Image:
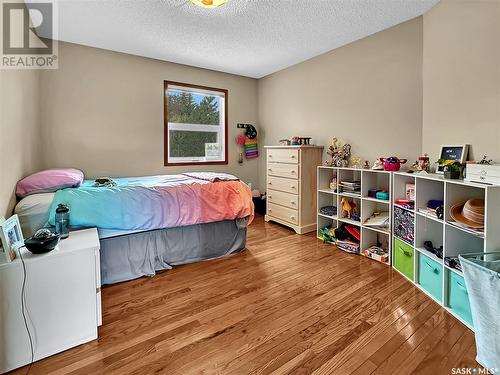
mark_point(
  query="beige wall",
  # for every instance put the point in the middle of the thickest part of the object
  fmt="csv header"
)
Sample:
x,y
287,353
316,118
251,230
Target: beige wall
x,y
368,93
461,70
102,112
19,132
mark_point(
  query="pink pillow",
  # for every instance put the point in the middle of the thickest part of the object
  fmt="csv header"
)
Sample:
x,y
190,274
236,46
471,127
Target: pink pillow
x,y
49,181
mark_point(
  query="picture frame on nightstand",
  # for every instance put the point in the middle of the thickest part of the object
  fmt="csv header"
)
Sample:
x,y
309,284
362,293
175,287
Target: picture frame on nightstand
x,y
11,237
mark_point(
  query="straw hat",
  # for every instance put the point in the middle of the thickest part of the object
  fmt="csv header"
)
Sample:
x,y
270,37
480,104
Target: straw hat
x,y
470,213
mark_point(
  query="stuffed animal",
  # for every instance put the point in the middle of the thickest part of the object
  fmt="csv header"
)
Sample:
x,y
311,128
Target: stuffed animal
x,y
339,154
347,207
104,182
378,165
356,162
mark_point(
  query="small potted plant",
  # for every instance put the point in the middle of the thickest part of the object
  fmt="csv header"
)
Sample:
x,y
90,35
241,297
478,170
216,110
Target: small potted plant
x,y
452,168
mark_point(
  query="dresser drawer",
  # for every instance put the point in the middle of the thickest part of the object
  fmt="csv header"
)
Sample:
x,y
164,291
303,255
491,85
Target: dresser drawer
x,y
283,170
283,213
283,199
283,155
283,184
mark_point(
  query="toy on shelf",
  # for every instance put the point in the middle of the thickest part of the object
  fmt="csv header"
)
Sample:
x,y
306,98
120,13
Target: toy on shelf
x,y
367,165
334,184
422,165
392,163
378,165
410,192
295,141
486,161
339,154
377,253
327,234
349,209
356,162
382,195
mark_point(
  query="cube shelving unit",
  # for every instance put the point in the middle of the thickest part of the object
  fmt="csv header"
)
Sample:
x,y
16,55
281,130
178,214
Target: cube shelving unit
x,y
370,179
442,283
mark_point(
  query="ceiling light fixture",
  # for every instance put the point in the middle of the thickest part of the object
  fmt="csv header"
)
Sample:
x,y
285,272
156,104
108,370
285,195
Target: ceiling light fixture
x,y
209,3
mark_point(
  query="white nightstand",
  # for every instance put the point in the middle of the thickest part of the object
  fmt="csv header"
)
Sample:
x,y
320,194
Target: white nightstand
x,y
63,300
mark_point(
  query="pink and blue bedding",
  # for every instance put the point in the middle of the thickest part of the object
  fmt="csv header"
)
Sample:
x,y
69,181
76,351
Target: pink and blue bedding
x,y
156,202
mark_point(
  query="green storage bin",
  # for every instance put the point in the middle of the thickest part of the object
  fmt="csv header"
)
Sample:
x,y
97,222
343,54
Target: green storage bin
x,y
458,298
403,258
430,276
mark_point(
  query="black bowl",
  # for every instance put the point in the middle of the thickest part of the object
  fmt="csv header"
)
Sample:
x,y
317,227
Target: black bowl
x,y
43,244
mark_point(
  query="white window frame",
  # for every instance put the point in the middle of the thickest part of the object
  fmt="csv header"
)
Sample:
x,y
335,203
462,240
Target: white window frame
x,y
219,129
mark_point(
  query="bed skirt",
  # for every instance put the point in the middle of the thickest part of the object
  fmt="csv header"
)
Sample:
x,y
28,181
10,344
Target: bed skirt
x,y
142,254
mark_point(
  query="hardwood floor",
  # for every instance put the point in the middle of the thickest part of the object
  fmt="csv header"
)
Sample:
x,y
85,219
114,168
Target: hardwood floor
x,y
289,304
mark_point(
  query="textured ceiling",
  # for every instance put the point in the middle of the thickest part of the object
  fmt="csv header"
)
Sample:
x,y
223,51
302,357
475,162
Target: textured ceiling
x,y
247,37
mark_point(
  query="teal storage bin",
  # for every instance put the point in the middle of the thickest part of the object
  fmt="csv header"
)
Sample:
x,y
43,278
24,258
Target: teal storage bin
x,y
430,276
458,298
403,258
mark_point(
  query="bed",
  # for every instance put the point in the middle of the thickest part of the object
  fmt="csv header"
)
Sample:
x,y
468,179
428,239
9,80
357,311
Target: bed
x,y
148,224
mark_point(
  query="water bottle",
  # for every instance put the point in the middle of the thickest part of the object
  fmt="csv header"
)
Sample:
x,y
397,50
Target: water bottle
x,y
62,220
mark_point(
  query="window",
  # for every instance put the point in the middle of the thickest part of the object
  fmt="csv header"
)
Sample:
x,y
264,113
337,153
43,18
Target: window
x,y
195,124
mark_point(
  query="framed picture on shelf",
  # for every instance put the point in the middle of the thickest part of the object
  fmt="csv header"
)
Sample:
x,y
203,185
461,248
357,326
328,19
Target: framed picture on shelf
x,y
11,237
453,152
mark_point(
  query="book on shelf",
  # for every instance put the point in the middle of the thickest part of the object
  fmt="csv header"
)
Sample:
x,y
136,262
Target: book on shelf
x,y
351,187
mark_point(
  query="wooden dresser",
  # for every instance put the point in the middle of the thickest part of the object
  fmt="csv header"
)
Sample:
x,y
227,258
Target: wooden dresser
x,y
291,186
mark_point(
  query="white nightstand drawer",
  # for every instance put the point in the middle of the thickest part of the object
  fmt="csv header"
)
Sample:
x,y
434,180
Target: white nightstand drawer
x,y
283,170
283,155
283,199
283,213
283,184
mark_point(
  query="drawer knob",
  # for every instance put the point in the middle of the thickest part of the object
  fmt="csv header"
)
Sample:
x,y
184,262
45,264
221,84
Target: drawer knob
x,y
292,156
292,187
292,172
292,217
292,202
269,183
270,210
270,197
269,169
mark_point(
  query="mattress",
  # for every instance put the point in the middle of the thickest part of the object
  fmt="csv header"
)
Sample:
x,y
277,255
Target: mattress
x,y
33,212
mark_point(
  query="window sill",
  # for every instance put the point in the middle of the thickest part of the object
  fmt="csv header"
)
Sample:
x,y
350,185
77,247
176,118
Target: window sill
x,y
177,164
